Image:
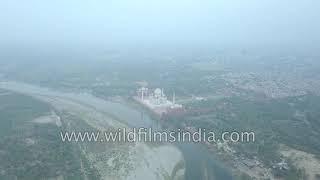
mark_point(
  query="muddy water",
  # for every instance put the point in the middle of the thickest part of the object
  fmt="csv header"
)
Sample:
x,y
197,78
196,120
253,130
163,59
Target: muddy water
x,y
200,163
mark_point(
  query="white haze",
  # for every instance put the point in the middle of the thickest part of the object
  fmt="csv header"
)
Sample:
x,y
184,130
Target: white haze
x,y
159,22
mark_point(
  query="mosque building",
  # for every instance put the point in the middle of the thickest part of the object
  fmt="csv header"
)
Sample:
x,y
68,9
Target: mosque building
x,y
156,100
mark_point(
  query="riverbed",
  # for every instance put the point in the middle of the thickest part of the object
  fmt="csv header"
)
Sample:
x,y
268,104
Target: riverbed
x,y
200,163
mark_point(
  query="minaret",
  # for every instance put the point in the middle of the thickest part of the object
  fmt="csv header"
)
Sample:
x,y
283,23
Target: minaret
x,y
142,95
174,98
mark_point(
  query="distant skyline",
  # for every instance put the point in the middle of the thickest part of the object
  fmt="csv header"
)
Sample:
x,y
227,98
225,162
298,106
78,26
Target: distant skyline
x,y
164,22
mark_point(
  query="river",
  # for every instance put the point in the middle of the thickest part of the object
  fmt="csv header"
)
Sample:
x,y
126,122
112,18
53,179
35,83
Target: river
x,y
199,161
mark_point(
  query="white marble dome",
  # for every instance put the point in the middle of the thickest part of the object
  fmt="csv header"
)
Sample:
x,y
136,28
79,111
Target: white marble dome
x,y
157,92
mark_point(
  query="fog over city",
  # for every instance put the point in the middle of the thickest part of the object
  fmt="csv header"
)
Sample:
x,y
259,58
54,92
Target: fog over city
x,y
159,90
160,22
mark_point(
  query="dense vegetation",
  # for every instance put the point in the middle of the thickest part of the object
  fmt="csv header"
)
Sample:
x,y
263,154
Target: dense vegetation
x,y
293,121
32,151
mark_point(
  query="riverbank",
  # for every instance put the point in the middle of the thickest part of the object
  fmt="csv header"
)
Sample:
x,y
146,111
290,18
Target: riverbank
x,y
112,161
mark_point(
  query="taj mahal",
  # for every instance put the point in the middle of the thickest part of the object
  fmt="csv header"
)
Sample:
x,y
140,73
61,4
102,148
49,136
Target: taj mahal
x,y
156,100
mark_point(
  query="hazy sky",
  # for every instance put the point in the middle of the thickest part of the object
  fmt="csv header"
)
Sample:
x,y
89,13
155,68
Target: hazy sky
x,y
159,21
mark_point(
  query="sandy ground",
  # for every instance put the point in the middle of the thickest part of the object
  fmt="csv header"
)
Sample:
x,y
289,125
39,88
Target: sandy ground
x,y
123,162
49,119
93,117
155,163
303,160
118,161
